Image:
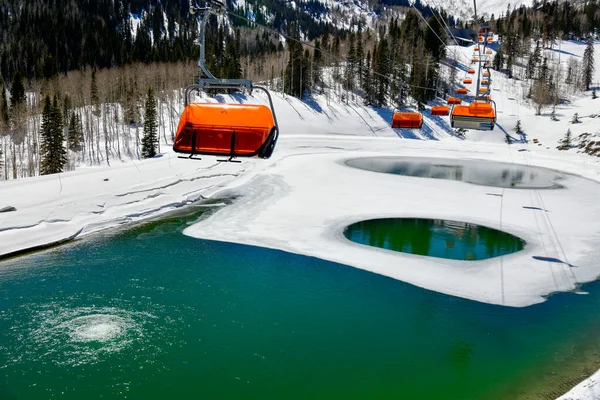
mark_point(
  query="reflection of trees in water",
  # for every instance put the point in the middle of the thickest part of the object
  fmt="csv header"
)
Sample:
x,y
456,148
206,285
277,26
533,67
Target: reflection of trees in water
x,y
417,236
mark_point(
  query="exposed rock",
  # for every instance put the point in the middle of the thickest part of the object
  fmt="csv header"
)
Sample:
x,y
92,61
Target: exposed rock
x,y
7,209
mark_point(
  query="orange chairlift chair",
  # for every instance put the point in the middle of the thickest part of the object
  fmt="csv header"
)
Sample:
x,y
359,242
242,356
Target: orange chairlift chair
x,y
479,115
454,100
440,110
485,82
462,91
232,130
488,51
474,59
407,120
467,81
470,71
486,74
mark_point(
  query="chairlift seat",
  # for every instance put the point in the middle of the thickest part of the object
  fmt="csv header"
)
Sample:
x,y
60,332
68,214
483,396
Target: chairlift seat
x,y
225,129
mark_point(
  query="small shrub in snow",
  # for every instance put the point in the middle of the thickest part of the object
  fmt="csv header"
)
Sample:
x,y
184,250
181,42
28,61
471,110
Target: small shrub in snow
x,y
565,144
575,119
594,94
518,128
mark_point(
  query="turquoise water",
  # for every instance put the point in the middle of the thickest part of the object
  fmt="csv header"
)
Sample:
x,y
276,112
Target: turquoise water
x,y
153,314
477,172
434,237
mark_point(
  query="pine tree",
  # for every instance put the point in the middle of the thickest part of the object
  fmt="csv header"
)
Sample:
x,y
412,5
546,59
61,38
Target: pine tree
x,y
52,152
553,114
588,64
317,63
75,133
360,56
150,138
518,128
350,65
565,144
94,94
575,119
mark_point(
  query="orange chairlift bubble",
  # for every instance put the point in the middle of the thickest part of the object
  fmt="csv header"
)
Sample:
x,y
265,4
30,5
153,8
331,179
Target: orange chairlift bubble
x,y
407,120
483,90
485,82
490,40
467,81
476,49
470,71
479,115
454,100
440,110
486,74
475,59
462,91
480,38
233,130
488,51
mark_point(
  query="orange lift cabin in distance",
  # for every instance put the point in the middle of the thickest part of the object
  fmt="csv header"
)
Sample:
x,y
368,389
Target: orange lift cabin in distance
x,y
440,110
407,120
454,100
233,130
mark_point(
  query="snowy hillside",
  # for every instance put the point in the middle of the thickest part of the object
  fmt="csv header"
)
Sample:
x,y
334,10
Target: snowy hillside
x,y
463,9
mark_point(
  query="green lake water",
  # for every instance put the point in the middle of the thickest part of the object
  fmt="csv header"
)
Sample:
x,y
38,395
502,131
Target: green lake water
x,y
434,237
152,314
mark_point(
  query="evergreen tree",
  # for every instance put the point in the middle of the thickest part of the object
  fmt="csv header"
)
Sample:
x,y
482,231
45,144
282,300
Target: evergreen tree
x,y
498,61
565,144
432,39
52,152
383,69
75,133
17,91
518,128
317,63
94,94
360,58
534,60
295,69
588,64
351,65
150,138
575,119
4,121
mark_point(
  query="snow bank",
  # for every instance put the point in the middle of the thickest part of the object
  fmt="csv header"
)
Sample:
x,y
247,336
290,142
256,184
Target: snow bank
x,y
302,203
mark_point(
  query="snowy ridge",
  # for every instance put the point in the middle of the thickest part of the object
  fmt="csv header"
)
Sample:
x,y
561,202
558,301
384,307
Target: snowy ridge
x,y
463,9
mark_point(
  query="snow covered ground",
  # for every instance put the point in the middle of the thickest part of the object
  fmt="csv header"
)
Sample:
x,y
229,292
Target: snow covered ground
x,y
301,199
